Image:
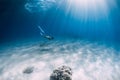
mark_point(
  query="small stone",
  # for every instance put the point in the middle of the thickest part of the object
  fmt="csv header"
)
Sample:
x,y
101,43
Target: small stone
x,y
28,70
62,73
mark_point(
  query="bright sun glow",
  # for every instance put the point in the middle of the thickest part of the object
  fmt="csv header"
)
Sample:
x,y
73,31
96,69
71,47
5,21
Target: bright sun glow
x,y
90,8
83,9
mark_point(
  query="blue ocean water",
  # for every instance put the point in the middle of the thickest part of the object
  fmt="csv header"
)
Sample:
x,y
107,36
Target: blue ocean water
x,y
86,38
61,18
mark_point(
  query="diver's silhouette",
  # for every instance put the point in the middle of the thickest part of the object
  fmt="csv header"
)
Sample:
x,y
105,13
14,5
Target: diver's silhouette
x,y
43,34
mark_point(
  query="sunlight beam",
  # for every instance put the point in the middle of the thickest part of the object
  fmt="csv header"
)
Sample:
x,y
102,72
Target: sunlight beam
x,y
87,9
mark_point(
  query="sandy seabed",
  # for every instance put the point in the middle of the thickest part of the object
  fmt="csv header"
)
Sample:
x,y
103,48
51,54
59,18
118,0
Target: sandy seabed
x,y
89,61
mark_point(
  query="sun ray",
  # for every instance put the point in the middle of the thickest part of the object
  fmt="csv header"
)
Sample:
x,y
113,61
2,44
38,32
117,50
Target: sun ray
x,y
89,9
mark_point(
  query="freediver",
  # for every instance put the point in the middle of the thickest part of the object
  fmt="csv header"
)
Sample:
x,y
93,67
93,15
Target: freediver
x,y
43,34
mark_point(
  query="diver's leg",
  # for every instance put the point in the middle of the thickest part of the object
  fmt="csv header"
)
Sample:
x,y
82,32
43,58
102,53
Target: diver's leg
x,y
41,30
